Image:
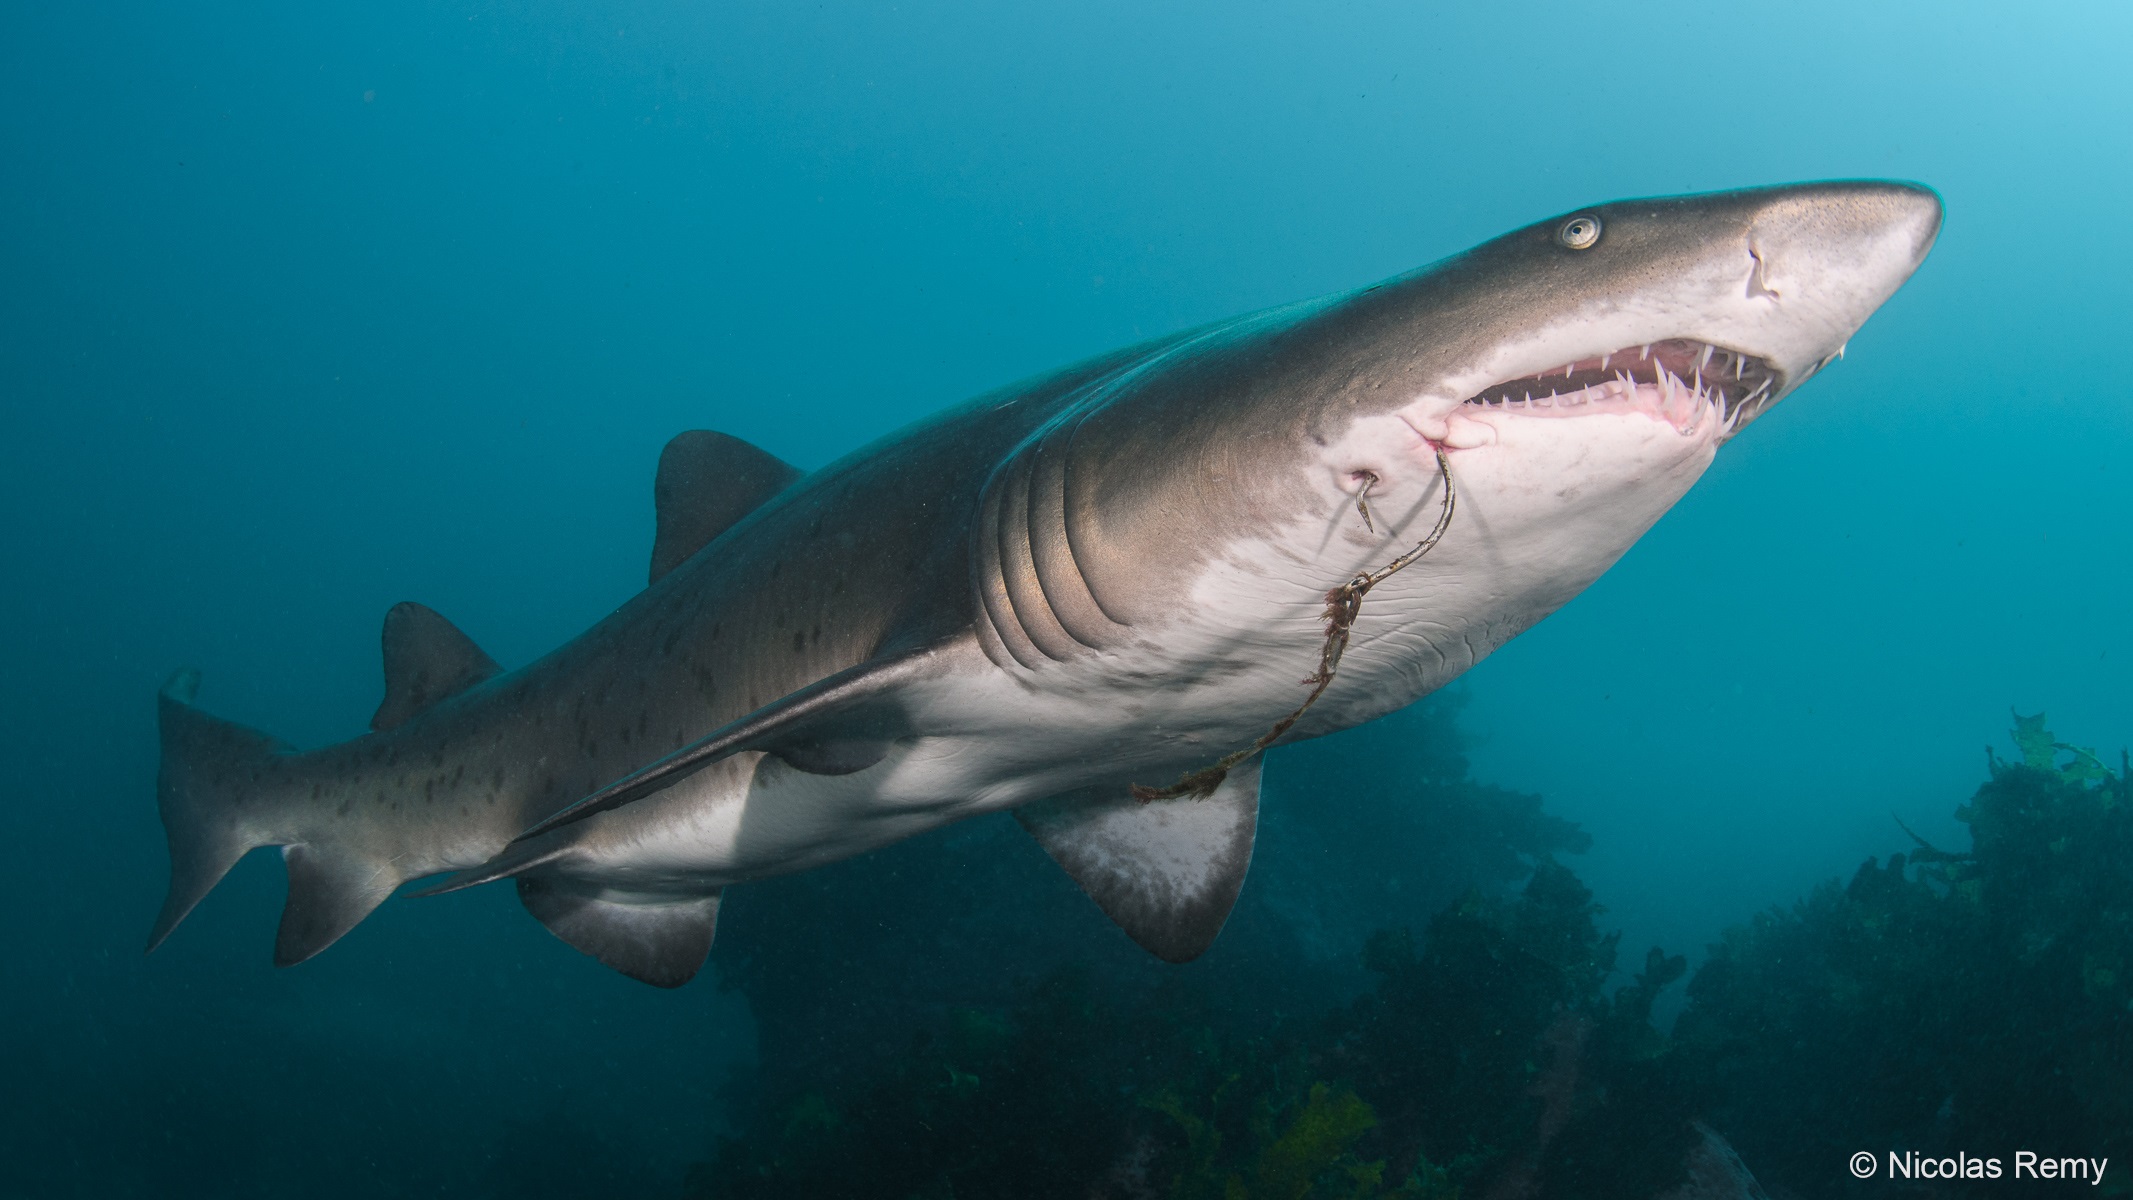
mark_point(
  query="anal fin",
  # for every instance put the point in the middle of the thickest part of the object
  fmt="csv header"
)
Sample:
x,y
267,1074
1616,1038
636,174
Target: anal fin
x,y
1167,871
663,942
329,893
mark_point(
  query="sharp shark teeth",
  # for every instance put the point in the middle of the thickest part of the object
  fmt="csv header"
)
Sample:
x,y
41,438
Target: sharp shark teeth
x,y
1672,379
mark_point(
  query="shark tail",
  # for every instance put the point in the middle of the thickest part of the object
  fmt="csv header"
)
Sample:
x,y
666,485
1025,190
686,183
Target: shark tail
x,y
225,790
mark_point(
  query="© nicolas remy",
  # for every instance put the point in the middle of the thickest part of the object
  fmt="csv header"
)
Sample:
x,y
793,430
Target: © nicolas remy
x,y
1093,598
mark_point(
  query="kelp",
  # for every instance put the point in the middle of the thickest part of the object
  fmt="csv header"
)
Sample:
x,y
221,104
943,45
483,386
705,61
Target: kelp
x,y
843,965
1973,1000
1941,1002
1453,1071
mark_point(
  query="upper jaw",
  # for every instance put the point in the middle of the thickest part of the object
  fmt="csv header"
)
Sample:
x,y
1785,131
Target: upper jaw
x,y
1679,380
1698,385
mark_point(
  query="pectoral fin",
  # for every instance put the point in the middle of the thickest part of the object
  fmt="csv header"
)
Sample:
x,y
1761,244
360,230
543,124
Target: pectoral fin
x,y
1167,871
836,723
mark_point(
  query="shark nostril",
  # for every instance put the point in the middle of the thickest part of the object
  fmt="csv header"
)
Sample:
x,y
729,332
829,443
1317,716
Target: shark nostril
x,y
1758,277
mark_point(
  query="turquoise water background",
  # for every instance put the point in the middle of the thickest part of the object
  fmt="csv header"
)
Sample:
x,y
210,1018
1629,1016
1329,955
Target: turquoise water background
x,y
306,310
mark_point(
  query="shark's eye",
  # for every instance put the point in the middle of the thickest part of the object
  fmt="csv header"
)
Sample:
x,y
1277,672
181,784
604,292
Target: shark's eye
x,y
1579,233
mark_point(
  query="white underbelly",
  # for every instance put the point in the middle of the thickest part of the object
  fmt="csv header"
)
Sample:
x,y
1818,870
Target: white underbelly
x,y
993,743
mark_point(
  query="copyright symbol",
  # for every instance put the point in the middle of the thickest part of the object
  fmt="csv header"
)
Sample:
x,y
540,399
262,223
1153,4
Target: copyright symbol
x,y
1863,1165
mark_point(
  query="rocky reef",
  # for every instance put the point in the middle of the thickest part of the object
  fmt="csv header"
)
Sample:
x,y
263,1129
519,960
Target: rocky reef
x,y
1947,1003
960,1037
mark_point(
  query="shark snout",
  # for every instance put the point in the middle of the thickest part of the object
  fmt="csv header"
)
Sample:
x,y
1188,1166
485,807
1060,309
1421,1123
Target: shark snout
x,y
1874,232
1822,257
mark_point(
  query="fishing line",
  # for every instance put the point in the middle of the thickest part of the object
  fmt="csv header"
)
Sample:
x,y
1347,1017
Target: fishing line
x,y
1343,605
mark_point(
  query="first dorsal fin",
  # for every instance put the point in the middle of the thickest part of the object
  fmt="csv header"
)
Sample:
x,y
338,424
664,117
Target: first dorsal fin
x,y
426,660
706,482
1167,871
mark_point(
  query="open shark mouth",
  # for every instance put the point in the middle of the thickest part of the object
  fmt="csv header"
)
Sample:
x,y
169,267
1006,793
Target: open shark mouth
x,y
1679,381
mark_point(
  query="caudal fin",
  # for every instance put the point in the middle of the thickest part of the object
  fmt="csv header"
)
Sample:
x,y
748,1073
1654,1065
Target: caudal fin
x,y
225,789
206,790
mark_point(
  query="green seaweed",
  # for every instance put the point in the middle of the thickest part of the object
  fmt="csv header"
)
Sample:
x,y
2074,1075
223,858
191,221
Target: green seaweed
x,y
1307,1150
1948,1002
2040,751
1976,1000
1436,1083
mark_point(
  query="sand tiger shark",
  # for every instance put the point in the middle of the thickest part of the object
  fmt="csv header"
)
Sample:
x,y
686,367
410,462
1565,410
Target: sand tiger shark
x,y
1095,598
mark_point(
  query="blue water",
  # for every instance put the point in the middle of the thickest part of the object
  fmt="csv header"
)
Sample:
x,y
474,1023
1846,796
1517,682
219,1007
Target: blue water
x,y
309,309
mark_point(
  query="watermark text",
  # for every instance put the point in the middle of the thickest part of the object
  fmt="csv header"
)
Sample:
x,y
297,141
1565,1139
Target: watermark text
x,y
2023,1164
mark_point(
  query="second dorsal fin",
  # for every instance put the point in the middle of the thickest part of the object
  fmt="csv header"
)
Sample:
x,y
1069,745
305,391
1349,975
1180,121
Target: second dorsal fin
x,y
426,660
706,482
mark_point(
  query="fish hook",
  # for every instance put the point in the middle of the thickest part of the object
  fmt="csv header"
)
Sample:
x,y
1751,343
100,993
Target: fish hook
x,y
1362,499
